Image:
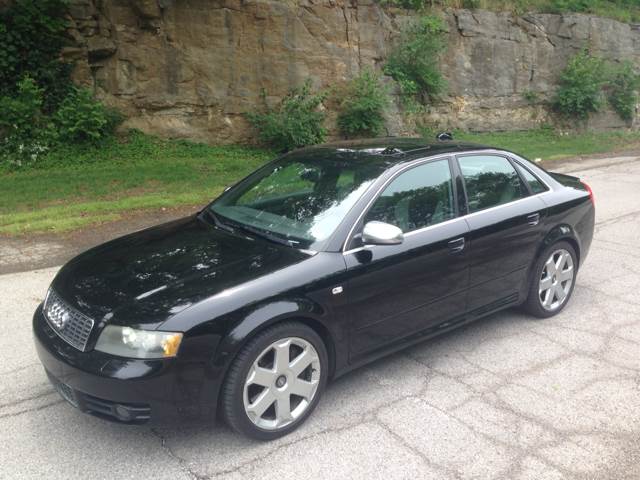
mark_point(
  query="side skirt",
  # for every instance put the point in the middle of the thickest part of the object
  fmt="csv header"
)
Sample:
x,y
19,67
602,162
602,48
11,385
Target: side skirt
x,y
430,333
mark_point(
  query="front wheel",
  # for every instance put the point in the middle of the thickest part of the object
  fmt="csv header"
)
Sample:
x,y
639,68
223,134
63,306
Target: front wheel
x,y
553,280
275,382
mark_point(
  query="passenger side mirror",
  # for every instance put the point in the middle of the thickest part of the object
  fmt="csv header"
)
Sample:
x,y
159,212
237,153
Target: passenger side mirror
x,y
380,233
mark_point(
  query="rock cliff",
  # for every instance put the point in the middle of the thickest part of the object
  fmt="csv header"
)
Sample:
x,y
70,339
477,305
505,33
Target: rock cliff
x,y
190,68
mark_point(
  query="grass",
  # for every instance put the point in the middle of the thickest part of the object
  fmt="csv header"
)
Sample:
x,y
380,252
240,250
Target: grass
x,y
78,186
548,145
75,187
621,10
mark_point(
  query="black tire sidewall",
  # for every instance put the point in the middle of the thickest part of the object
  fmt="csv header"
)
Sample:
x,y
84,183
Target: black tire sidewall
x,y
533,304
234,386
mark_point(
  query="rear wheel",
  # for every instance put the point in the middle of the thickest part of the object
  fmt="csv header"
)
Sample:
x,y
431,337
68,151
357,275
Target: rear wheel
x,y
553,280
275,382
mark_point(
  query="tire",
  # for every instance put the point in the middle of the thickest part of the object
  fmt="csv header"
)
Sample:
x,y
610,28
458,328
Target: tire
x,y
264,396
549,291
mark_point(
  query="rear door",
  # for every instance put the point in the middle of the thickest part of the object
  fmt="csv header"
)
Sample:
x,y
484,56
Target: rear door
x,y
396,291
505,218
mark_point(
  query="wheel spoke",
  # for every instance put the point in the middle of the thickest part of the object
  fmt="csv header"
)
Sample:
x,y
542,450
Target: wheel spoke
x,y
262,403
559,263
281,360
566,274
551,267
260,376
560,293
548,297
545,284
283,409
303,388
302,361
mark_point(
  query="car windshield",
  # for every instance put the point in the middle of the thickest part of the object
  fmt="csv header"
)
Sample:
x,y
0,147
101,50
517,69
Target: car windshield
x,y
298,200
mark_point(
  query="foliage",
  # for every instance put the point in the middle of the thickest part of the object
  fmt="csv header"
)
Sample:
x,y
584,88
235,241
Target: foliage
x,y
80,118
23,128
362,106
32,33
39,106
413,62
295,122
581,83
622,90
530,96
621,10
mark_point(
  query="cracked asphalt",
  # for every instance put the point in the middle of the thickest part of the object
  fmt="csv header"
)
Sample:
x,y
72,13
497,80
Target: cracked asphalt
x,y
508,397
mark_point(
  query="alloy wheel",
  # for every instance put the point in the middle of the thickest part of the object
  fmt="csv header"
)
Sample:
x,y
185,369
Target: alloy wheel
x,y
281,383
556,280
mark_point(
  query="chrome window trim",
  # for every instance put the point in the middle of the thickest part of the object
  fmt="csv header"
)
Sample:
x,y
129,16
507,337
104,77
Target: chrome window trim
x,y
408,166
420,161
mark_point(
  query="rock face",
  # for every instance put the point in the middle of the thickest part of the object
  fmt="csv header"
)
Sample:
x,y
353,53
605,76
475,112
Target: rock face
x,y
191,68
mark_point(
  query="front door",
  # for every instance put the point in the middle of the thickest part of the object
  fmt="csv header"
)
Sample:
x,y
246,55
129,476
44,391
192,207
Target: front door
x,y
395,291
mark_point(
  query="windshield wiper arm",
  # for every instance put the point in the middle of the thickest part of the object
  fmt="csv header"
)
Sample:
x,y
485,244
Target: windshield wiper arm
x,y
218,221
267,235
232,226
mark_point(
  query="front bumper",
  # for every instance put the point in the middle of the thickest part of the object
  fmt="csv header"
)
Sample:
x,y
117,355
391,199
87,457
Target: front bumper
x,y
126,390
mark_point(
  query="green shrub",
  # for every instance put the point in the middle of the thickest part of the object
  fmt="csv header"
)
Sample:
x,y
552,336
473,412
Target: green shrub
x,y
81,119
413,62
24,130
622,90
581,83
362,106
530,96
32,33
295,122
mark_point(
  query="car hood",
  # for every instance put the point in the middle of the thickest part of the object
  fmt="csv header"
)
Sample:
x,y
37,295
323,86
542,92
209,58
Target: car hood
x,y
144,278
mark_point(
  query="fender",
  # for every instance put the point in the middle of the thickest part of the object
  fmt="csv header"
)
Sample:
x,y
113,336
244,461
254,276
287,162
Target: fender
x,y
563,231
249,322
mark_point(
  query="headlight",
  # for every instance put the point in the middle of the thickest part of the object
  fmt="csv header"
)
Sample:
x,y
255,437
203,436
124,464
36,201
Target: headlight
x,y
132,343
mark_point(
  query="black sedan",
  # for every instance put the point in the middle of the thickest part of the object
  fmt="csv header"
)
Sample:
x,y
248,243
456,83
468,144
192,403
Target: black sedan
x,y
318,262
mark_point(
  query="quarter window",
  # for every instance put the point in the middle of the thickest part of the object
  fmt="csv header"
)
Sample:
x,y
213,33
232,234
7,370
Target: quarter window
x,y
490,181
535,184
417,198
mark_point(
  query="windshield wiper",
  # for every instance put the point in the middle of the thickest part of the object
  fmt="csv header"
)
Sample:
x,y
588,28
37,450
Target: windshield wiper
x,y
231,226
217,221
267,235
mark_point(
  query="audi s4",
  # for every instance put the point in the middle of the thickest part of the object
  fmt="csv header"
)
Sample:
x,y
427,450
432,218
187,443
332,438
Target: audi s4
x,y
320,261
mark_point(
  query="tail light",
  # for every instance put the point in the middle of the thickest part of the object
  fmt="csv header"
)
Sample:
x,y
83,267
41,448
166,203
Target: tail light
x,y
593,201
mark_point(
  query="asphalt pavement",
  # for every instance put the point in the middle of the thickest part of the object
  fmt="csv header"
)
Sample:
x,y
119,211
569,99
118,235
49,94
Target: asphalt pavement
x,y
509,397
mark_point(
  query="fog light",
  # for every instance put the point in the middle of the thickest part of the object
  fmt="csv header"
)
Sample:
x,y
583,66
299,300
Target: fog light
x,y
123,413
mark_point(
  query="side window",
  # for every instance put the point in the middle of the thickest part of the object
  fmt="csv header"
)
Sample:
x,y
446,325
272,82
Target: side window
x,y
417,198
535,184
490,180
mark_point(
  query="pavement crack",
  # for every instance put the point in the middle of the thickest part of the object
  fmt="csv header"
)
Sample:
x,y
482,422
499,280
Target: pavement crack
x,y
182,463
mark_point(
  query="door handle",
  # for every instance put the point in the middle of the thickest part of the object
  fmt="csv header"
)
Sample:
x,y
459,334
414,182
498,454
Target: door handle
x,y
533,219
456,245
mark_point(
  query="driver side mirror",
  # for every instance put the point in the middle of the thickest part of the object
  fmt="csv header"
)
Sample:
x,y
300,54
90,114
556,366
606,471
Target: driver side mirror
x,y
380,233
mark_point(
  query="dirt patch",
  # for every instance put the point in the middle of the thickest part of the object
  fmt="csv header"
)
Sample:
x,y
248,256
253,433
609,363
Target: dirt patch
x,y
30,252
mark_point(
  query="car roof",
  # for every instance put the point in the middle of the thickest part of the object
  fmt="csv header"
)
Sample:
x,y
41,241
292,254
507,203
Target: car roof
x,y
387,151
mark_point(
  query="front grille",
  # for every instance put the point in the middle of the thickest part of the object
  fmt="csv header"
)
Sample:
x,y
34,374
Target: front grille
x,y
68,323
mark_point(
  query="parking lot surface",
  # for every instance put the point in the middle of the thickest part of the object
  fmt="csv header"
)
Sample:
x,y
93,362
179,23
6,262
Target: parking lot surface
x,y
509,397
